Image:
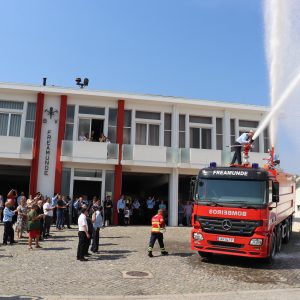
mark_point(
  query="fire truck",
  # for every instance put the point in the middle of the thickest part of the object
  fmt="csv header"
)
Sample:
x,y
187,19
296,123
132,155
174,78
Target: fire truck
x,y
245,210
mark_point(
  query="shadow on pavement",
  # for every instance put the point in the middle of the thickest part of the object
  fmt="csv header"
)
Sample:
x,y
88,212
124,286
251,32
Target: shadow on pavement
x,y
117,251
107,244
20,298
115,237
56,249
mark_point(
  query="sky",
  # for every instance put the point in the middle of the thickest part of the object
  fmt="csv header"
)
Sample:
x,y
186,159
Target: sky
x,y
206,49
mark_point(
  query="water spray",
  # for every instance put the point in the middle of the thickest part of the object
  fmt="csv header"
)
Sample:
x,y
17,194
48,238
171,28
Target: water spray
x,y
288,91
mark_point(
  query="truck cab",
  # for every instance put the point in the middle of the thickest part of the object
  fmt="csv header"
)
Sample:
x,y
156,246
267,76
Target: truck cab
x,y
242,211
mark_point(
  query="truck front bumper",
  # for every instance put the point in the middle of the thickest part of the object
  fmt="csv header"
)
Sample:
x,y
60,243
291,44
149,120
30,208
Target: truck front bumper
x,y
229,245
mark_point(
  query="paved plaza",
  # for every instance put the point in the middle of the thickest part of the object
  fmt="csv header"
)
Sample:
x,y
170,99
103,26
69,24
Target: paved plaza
x,y
54,271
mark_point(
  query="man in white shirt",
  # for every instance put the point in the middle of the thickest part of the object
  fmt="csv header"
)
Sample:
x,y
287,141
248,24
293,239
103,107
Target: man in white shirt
x,y
83,234
121,208
245,138
48,215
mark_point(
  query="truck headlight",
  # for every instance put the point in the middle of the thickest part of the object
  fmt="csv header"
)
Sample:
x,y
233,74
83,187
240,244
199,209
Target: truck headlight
x,y
256,242
198,236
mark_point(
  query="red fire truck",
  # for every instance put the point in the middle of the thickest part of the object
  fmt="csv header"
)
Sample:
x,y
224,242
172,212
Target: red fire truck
x,y
243,210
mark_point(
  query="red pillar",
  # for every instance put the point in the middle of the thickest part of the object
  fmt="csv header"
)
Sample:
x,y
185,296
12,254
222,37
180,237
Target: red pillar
x,y
118,168
61,134
36,143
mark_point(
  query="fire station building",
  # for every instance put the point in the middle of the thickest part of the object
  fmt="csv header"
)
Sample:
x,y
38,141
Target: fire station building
x,y
156,143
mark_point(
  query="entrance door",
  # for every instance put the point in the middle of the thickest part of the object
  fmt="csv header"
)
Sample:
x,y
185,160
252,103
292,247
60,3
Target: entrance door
x,y
87,188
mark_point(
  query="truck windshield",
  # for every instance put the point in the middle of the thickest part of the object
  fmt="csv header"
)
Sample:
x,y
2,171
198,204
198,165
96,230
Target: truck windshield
x,y
241,192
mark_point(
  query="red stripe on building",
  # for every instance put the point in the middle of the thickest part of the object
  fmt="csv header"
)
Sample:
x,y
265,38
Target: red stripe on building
x,y
36,143
60,137
118,168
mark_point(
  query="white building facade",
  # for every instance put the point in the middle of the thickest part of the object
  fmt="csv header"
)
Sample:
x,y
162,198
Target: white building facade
x,y
156,143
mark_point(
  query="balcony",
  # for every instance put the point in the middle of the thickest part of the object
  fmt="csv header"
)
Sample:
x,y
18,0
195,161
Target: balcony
x,y
89,152
199,158
15,147
152,156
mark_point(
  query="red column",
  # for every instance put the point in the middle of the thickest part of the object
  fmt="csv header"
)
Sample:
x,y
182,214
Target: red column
x,y
36,143
118,168
61,134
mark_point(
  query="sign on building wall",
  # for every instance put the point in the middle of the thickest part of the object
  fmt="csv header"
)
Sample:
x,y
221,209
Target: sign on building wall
x,y
48,146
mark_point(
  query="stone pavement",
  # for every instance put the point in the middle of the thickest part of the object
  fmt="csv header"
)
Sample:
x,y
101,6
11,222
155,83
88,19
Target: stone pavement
x,y
54,273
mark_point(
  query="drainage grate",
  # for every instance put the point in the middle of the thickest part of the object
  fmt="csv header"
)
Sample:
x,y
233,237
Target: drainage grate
x,y
137,274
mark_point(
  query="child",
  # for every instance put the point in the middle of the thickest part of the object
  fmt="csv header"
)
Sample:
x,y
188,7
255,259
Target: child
x,y
127,215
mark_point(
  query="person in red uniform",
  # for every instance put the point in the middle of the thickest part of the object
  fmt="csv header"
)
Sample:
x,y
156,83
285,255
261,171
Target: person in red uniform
x,y
158,227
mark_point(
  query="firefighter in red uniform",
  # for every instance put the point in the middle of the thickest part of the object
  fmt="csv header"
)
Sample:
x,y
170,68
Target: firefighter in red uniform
x,y
158,227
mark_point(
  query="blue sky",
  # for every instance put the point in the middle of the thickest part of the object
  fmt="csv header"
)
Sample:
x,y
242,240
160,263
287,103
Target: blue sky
x,y
207,49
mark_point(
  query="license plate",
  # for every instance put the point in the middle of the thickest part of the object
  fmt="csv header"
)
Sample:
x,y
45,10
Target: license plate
x,y
225,239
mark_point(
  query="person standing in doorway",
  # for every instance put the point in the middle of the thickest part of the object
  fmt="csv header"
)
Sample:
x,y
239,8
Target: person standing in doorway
x,y
150,206
108,205
121,208
187,211
136,211
158,227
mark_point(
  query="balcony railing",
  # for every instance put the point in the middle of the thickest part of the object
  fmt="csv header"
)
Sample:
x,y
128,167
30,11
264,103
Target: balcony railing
x,y
93,152
16,147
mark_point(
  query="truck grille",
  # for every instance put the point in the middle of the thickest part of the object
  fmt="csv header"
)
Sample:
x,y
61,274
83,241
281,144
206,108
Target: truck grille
x,y
238,227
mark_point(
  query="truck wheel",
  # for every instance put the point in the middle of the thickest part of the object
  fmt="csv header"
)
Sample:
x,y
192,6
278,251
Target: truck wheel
x,y
272,253
287,237
205,254
278,239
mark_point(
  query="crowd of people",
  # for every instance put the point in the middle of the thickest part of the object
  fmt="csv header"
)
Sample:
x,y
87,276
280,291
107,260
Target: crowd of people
x,y
92,138
35,215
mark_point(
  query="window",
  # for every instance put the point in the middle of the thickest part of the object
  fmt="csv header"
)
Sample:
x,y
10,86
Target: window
x,y
70,122
84,129
11,104
90,110
219,133
10,124
266,140
147,115
181,131
168,130
201,119
147,134
200,138
232,133
30,120
250,124
112,124
127,127
87,173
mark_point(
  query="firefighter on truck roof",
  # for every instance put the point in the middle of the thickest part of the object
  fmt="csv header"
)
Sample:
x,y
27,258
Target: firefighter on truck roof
x,y
158,227
245,138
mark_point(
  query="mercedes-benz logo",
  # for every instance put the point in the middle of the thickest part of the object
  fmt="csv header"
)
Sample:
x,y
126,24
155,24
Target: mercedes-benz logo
x,y
226,224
